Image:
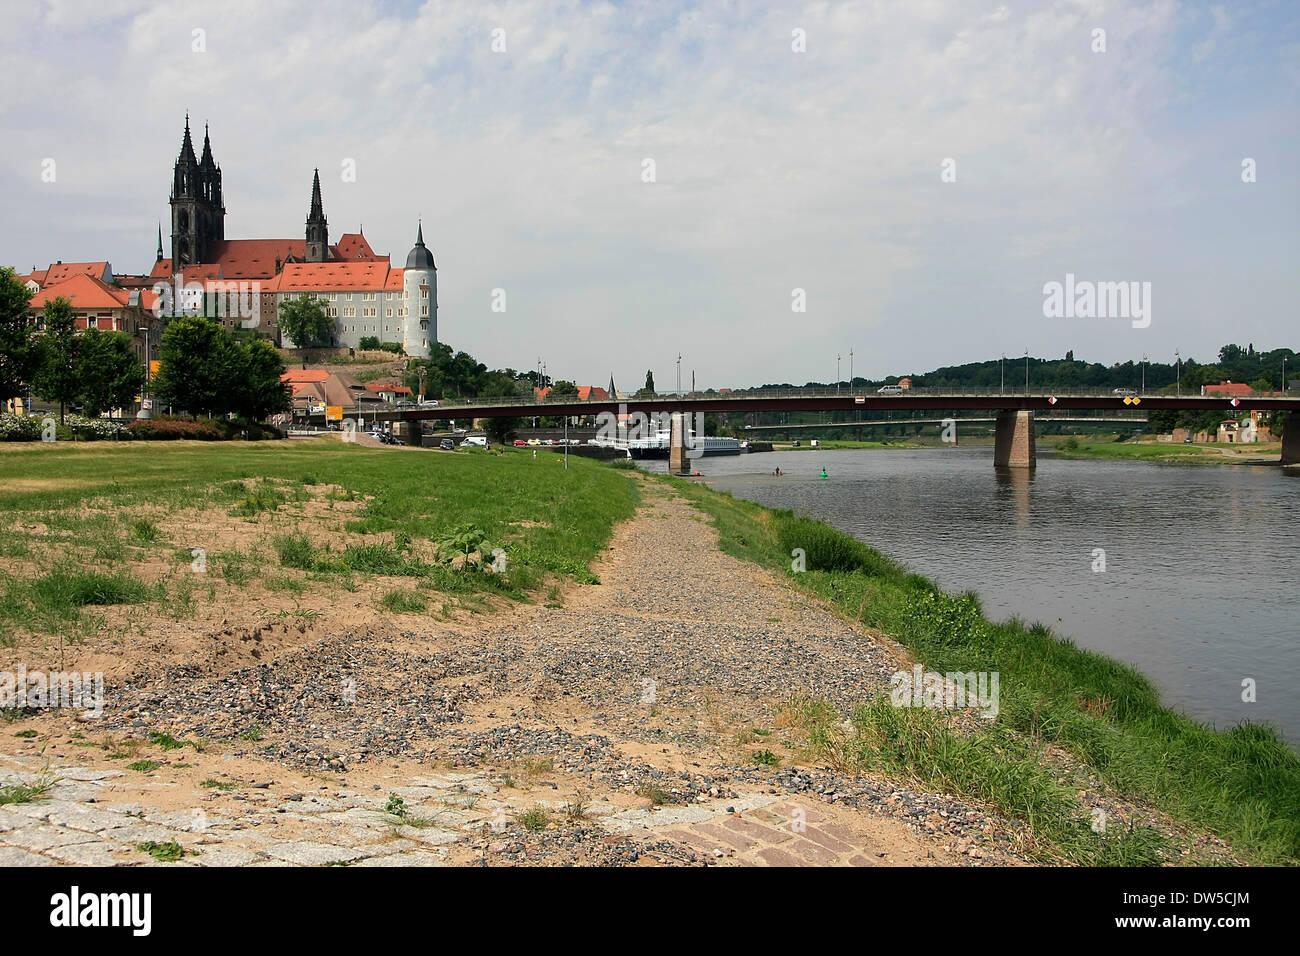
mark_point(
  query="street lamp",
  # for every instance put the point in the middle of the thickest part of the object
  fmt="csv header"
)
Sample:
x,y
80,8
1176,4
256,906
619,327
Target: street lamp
x,y
837,373
1144,375
679,374
1283,374
1003,387
851,369
1026,371
1179,380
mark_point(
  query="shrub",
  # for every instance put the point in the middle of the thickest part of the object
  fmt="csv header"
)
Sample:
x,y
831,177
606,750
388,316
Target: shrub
x,y
296,551
19,428
171,429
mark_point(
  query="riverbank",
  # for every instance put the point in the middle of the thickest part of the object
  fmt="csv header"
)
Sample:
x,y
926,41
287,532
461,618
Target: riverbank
x,y
1243,784
1212,453
660,690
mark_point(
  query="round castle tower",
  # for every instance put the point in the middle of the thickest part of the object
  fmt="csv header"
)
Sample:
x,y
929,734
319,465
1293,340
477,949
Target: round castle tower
x,y
420,290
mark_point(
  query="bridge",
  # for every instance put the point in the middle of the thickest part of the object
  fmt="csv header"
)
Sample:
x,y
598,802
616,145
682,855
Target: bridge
x,y
964,420
1014,439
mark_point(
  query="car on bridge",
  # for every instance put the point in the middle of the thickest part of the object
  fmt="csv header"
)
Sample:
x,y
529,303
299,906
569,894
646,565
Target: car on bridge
x,y
1124,391
890,390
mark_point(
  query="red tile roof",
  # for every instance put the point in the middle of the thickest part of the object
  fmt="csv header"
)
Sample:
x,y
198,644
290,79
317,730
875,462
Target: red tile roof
x,y
378,387
62,271
84,292
302,375
1228,389
588,393
369,276
254,258
353,245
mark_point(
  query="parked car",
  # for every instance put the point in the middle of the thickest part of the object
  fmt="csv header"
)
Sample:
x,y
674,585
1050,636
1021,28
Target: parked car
x,y
447,445
520,443
475,441
890,390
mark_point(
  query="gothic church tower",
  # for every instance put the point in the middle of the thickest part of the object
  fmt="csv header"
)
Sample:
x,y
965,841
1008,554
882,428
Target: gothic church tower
x,y
198,210
318,231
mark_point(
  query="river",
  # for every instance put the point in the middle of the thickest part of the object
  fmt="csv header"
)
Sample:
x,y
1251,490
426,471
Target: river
x,y
1201,587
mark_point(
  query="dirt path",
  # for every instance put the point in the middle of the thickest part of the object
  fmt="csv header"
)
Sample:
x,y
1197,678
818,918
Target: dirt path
x,y
638,723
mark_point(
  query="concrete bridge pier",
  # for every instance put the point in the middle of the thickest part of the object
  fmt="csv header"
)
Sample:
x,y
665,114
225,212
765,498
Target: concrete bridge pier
x,y
678,462
1291,439
1013,446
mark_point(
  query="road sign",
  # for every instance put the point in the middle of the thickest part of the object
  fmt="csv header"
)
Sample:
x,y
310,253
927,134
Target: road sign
x,y
1052,400
333,413
1235,403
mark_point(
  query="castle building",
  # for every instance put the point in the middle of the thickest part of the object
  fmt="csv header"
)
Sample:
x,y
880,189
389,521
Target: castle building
x,y
361,290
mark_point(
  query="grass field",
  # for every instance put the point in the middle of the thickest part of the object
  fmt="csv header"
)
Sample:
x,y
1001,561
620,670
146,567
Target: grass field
x,y
102,535
1242,784
1211,453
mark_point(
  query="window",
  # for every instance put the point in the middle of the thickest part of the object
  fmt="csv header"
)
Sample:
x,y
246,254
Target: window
x,y
424,310
424,293
389,312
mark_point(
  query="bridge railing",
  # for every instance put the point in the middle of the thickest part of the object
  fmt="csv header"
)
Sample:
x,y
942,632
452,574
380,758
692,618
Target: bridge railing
x,y
801,392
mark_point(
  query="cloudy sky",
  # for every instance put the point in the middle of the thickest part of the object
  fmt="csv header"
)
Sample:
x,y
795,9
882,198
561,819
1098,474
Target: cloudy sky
x,y
794,146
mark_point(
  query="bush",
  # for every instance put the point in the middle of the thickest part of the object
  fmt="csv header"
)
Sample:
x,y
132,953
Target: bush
x,y
369,343
19,428
829,550
296,551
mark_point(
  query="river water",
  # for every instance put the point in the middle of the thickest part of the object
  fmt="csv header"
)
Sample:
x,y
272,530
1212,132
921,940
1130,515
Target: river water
x,y
1201,587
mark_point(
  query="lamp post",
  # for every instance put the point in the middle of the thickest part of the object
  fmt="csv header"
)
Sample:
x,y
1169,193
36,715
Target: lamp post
x,y
1026,371
679,374
851,369
1003,387
1283,374
1144,375
837,373
1178,384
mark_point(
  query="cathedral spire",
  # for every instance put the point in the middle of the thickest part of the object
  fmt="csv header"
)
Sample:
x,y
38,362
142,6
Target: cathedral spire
x,y
160,249
317,226
207,148
317,207
187,144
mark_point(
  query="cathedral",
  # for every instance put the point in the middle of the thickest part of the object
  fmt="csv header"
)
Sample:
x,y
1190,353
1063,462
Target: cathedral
x,y
363,293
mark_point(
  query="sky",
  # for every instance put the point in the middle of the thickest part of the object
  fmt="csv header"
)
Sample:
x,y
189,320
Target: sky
x,y
912,174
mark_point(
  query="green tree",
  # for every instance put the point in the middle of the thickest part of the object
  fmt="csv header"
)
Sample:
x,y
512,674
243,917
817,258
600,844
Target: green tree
x,y
562,389
260,391
57,377
199,366
304,322
19,354
111,376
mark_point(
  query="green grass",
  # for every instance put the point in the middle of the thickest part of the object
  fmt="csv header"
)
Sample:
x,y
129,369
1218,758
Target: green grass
x,y
403,602
37,789
222,785
168,852
1150,451
144,766
534,819
1242,784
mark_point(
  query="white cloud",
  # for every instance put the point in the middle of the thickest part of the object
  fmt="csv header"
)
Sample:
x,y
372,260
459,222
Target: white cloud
x,y
775,169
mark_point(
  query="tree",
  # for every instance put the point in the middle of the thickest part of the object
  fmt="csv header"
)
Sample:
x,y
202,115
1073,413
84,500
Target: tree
x,y
562,389
199,366
304,321
19,354
57,377
110,374
261,391
648,390
500,385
